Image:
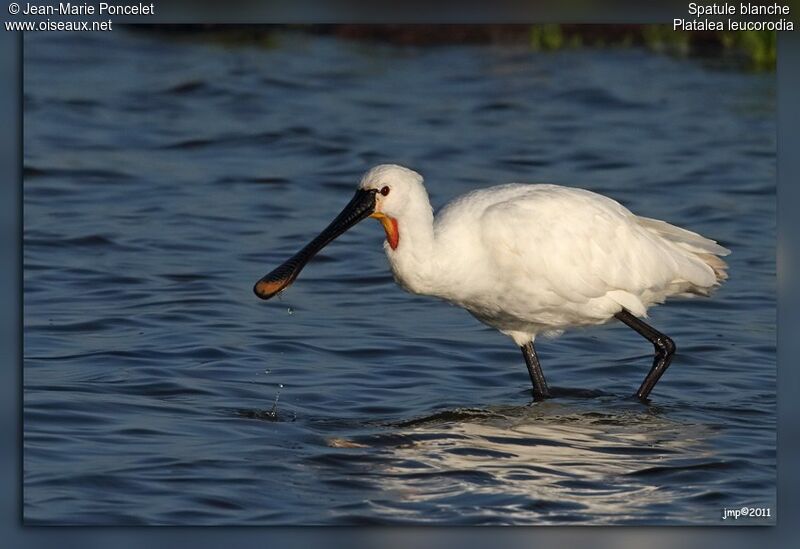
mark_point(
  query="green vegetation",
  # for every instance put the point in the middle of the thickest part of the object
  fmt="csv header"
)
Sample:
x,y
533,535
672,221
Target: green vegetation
x,y
761,47
755,50
751,50
551,37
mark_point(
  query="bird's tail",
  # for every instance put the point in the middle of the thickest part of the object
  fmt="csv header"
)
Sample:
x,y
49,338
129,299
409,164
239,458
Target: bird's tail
x,y
699,246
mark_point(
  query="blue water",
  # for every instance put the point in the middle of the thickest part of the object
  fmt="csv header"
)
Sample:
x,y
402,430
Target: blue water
x,y
164,176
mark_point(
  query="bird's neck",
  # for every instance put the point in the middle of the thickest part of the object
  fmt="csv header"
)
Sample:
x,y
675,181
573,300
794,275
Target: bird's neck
x,y
414,262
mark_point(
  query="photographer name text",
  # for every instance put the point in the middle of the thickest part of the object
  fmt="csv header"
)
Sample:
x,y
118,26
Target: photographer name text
x,y
751,17
103,8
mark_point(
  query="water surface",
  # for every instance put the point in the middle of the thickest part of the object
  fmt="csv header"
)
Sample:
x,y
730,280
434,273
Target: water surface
x,y
163,177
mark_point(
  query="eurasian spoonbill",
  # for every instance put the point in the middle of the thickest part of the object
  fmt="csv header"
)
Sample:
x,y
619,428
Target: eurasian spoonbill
x,y
527,259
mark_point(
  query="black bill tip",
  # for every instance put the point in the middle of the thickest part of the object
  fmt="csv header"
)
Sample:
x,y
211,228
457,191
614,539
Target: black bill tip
x,y
361,206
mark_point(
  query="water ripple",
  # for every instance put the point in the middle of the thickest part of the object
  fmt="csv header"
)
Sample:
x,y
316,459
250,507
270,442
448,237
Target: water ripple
x,y
159,390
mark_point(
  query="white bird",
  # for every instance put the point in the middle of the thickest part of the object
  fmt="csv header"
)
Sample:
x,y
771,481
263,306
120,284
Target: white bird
x,y
527,259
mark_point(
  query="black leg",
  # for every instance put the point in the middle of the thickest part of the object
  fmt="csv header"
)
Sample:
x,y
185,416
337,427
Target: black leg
x,y
665,348
540,390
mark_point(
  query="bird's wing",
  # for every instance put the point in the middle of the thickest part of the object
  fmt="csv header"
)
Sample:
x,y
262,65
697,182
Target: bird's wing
x,y
573,243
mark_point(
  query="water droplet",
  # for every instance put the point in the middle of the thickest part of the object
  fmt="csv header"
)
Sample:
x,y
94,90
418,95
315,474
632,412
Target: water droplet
x,y
290,310
274,411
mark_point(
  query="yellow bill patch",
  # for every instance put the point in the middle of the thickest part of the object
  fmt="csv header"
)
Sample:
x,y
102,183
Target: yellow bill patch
x,y
391,228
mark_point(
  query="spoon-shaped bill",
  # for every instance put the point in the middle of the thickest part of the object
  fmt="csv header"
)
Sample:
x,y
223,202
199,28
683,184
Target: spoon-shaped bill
x,y
360,207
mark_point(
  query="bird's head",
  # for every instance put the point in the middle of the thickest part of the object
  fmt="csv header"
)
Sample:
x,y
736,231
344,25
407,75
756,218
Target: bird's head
x,y
395,188
384,193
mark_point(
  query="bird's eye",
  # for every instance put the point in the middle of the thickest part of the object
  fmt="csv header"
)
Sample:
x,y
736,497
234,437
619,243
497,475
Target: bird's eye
x,y
385,191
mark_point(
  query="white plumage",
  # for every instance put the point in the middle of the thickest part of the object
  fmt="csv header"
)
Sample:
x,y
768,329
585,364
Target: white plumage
x,y
534,258
527,259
